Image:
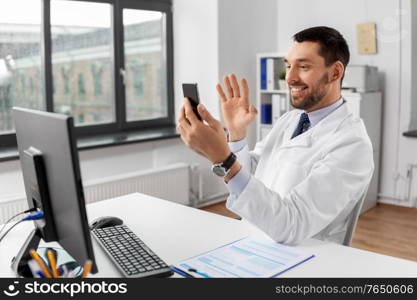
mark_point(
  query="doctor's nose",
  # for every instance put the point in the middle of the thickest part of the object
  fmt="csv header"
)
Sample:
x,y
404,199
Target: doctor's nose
x,y
291,76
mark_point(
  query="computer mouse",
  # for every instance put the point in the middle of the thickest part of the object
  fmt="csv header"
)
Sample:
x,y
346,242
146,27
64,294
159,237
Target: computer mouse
x,y
107,221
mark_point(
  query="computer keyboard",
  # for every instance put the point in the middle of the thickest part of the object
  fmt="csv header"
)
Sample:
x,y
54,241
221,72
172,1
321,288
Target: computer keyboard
x,y
129,253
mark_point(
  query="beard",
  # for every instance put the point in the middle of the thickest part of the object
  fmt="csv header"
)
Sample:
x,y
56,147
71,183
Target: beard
x,y
312,98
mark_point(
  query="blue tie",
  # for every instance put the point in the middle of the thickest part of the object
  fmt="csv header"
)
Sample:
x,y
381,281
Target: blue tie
x,y
302,126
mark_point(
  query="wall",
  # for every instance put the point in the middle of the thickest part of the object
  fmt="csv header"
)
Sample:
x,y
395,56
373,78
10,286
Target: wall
x,y
246,27
413,21
407,147
196,49
394,33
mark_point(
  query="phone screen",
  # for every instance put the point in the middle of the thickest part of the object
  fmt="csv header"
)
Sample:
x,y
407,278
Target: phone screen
x,y
190,91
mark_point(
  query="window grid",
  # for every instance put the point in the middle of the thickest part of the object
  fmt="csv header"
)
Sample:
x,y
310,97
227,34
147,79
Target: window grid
x,y
119,99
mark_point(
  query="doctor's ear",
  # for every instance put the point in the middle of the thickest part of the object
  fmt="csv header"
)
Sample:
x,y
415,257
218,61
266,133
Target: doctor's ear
x,y
338,70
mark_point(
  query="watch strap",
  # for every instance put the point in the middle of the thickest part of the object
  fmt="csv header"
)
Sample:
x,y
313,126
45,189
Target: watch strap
x,y
227,164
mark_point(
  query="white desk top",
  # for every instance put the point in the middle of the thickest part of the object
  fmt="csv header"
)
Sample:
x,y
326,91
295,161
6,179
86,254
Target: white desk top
x,y
176,232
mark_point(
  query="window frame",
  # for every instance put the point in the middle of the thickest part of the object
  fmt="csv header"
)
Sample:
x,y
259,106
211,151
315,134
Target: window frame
x,y
120,123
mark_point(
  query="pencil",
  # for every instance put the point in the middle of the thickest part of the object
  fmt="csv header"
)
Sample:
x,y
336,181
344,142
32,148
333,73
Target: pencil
x,y
36,257
87,267
52,263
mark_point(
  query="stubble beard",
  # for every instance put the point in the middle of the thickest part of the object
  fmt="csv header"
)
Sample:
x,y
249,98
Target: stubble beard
x,y
313,98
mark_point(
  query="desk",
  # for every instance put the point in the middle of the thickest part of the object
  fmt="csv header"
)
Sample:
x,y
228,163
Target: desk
x,y
176,232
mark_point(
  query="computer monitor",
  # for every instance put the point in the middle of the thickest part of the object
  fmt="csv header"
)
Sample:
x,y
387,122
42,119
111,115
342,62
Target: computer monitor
x,y
51,174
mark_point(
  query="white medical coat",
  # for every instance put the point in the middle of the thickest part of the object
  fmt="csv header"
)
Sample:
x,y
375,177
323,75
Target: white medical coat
x,y
306,186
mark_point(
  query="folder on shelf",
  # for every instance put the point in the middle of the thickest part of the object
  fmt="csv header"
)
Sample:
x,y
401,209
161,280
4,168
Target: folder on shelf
x,y
247,257
263,73
266,113
270,74
276,107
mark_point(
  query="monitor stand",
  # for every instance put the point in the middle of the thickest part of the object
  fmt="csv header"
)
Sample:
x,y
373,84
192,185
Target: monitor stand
x,y
64,261
20,261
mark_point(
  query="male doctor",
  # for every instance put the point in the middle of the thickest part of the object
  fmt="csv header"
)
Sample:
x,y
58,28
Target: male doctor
x,y
304,178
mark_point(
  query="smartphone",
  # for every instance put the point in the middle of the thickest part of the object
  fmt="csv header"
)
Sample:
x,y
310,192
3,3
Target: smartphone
x,y
190,91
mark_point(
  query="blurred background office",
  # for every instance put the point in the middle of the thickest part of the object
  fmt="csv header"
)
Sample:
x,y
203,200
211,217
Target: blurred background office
x,y
117,68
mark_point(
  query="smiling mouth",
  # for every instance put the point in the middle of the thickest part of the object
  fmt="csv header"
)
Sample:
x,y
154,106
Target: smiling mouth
x,y
297,91
299,88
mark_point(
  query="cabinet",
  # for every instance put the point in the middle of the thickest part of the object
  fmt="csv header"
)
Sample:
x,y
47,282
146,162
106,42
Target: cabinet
x,y
368,106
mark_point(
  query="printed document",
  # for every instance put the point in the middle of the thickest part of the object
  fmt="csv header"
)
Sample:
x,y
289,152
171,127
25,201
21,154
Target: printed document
x,y
248,257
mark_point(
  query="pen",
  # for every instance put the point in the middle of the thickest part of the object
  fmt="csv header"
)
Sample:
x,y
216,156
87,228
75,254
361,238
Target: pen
x,y
199,273
52,263
87,267
40,274
181,272
64,271
36,257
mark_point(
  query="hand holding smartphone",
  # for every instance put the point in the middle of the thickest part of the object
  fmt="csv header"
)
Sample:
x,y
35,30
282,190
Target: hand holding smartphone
x,y
190,91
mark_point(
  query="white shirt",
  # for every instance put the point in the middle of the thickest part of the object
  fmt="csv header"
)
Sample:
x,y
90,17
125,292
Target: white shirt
x,y
306,186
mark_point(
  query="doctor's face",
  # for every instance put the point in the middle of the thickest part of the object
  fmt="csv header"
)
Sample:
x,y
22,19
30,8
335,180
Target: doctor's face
x,y
307,75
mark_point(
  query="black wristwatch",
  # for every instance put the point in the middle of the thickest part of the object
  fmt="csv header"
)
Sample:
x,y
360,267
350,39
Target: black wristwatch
x,y
222,169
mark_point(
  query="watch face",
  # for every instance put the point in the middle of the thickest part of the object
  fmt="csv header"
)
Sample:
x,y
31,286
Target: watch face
x,y
219,170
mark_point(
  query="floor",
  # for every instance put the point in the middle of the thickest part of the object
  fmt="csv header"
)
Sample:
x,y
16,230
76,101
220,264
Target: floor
x,y
385,229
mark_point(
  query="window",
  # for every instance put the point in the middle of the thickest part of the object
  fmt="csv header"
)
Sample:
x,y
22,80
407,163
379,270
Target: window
x,y
81,38
20,59
108,63
144,48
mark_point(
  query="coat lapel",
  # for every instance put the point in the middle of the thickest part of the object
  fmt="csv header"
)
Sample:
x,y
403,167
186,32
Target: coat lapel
x,y
303,140
328,124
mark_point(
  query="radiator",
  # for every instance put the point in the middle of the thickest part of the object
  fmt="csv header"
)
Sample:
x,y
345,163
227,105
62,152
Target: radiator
x,y
11,206
170,183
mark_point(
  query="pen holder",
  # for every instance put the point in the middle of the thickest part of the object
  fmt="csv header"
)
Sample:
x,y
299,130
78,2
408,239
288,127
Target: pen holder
x,y
65,263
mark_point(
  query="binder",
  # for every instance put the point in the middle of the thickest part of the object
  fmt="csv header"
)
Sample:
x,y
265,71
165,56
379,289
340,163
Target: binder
x,y
270,74
276,107
266,114
263,73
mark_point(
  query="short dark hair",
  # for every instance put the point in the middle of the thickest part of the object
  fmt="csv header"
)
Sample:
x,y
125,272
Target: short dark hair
x,y
333,46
